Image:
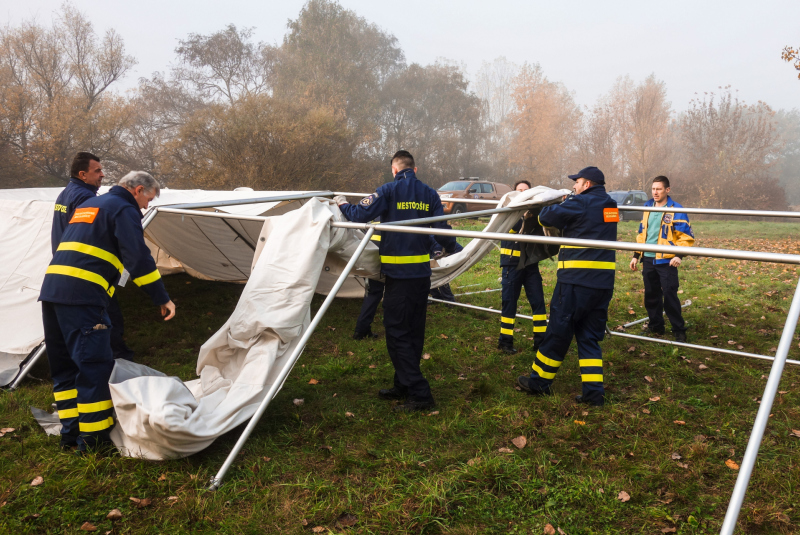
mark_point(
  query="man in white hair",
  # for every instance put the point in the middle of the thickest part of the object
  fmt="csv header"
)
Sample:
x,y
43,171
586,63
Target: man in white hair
x,y
104,234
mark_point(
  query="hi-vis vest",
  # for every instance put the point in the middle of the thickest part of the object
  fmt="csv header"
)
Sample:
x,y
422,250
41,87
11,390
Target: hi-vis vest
x,y
592,215
103,238
675,230
403,256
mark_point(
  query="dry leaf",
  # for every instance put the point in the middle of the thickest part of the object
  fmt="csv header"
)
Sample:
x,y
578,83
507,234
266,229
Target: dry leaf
x,y
298,402
487,337
549,530
584,413
520,442
426,356
349,415
682,465
373,366
623,496
318,529
434,413
162,477
645,411
505,450
648,379
7,430
732,465
443,336
714,336
657,398
38,480
473,462
676,456
115,514
631,349
347,520
731,342
631,311
795,433
669,530
580,422
88,526
266,459
702,367
561,531
679,422
350,353
324,447
313,382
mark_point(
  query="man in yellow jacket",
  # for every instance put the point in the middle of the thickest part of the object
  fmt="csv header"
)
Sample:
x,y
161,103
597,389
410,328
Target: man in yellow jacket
x,y
660,270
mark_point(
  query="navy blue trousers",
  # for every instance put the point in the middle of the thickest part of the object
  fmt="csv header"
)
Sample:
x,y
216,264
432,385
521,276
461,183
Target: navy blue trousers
x,y
369,307
661,292
580,312
405,307
118,346
514,280
78,341
444,293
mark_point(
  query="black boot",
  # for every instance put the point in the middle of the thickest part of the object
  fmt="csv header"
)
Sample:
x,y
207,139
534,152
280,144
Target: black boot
x,y
524,384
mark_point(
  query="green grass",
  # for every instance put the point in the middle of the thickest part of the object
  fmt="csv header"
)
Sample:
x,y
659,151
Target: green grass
x,y
305,467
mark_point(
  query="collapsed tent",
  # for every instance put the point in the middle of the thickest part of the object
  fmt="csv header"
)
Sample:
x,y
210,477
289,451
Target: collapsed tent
x,y
162,417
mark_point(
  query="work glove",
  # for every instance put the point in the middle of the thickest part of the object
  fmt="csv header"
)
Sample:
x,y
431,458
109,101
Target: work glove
x,y
340,200
438,254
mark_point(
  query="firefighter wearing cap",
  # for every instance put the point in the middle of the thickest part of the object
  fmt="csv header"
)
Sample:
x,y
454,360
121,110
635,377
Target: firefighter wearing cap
x,y
514,279
585,284
86,176
405,263
102,236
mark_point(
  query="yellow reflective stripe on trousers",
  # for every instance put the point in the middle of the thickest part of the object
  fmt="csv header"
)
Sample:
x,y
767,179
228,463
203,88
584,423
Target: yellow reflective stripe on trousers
x,y
92,251
546,360
86,408
538,329
504,319
543,374
539,317
67,413
91,427
592,378
591,362
585,264
147,279
509,332
66,394
411,259
510,252
79,273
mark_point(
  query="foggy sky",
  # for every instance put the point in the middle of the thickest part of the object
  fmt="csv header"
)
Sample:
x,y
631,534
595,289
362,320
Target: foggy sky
x,y
693,46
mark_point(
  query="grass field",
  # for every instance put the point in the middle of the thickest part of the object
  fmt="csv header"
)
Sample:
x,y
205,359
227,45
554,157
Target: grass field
x,y
312,468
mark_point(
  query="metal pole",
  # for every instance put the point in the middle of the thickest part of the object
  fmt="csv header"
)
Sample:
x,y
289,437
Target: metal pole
x,y
149,216
216,481
257,200
762,417
28,365
710,211
688,302
481,292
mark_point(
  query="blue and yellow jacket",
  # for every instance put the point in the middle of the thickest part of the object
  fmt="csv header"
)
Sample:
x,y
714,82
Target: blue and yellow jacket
x,y
103,235
592,215
510,250
675,230
403,256
74,195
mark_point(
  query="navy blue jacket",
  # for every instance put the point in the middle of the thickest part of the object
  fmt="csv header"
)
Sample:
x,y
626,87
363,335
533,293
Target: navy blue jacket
x,y
403,256
510,250
74,195
104,235
592,215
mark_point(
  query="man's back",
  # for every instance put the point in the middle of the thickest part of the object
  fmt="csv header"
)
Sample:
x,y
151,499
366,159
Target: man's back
x,y
75,194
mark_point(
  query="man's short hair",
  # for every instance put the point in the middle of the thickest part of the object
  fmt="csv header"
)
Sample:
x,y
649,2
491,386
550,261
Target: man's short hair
x,y
81,163
518,182
664,180
404,160
135,179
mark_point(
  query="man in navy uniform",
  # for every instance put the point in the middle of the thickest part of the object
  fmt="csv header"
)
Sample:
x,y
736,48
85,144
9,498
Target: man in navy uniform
x,y
86,176
585,284
514,278
405,263
103,235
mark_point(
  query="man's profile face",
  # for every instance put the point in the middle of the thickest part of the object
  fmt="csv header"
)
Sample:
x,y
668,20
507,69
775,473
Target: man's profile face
x,y
143,197
94,175
522,186
659,192
580,185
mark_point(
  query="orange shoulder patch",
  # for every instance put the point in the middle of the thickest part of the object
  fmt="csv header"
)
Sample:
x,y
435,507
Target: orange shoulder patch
x,y
84,215
610,215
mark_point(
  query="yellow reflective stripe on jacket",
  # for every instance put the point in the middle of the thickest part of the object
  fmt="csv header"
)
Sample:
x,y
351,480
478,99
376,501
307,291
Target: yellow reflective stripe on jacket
x,y
540,317
592,378
67,413
509,332
66,394
91,427
512,231
573,247
591,362
504,319
98,406
79,273
147,279
92,251
510,252
412,259
376,237
585,264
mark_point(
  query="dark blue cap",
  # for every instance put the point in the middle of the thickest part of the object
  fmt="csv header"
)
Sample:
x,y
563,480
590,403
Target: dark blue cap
x,y
590,173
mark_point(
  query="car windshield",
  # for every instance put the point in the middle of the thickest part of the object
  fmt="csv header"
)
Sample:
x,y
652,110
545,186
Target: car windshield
x,y
618,196
458,185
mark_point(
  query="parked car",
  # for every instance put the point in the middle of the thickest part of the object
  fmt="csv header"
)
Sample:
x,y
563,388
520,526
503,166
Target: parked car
x,y
629,198
455,194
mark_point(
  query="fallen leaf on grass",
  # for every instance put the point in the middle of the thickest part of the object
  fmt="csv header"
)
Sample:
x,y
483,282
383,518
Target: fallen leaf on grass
x,y
679,422
714,336
373,366
795,433
313,382
702,367
731,342
669,530
115,514
732,465
648,378
172,499
350,353
88,526
561,531
549,530
141,502
346,520
331,328
318,529
487,337
443,336
7,430
623,496
426,356
349,415
682,465
38,480
645,411
676,456
505,450
162,477
473,462
631,349
324,447
631,311
580,422
657,398
520,442
298,402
